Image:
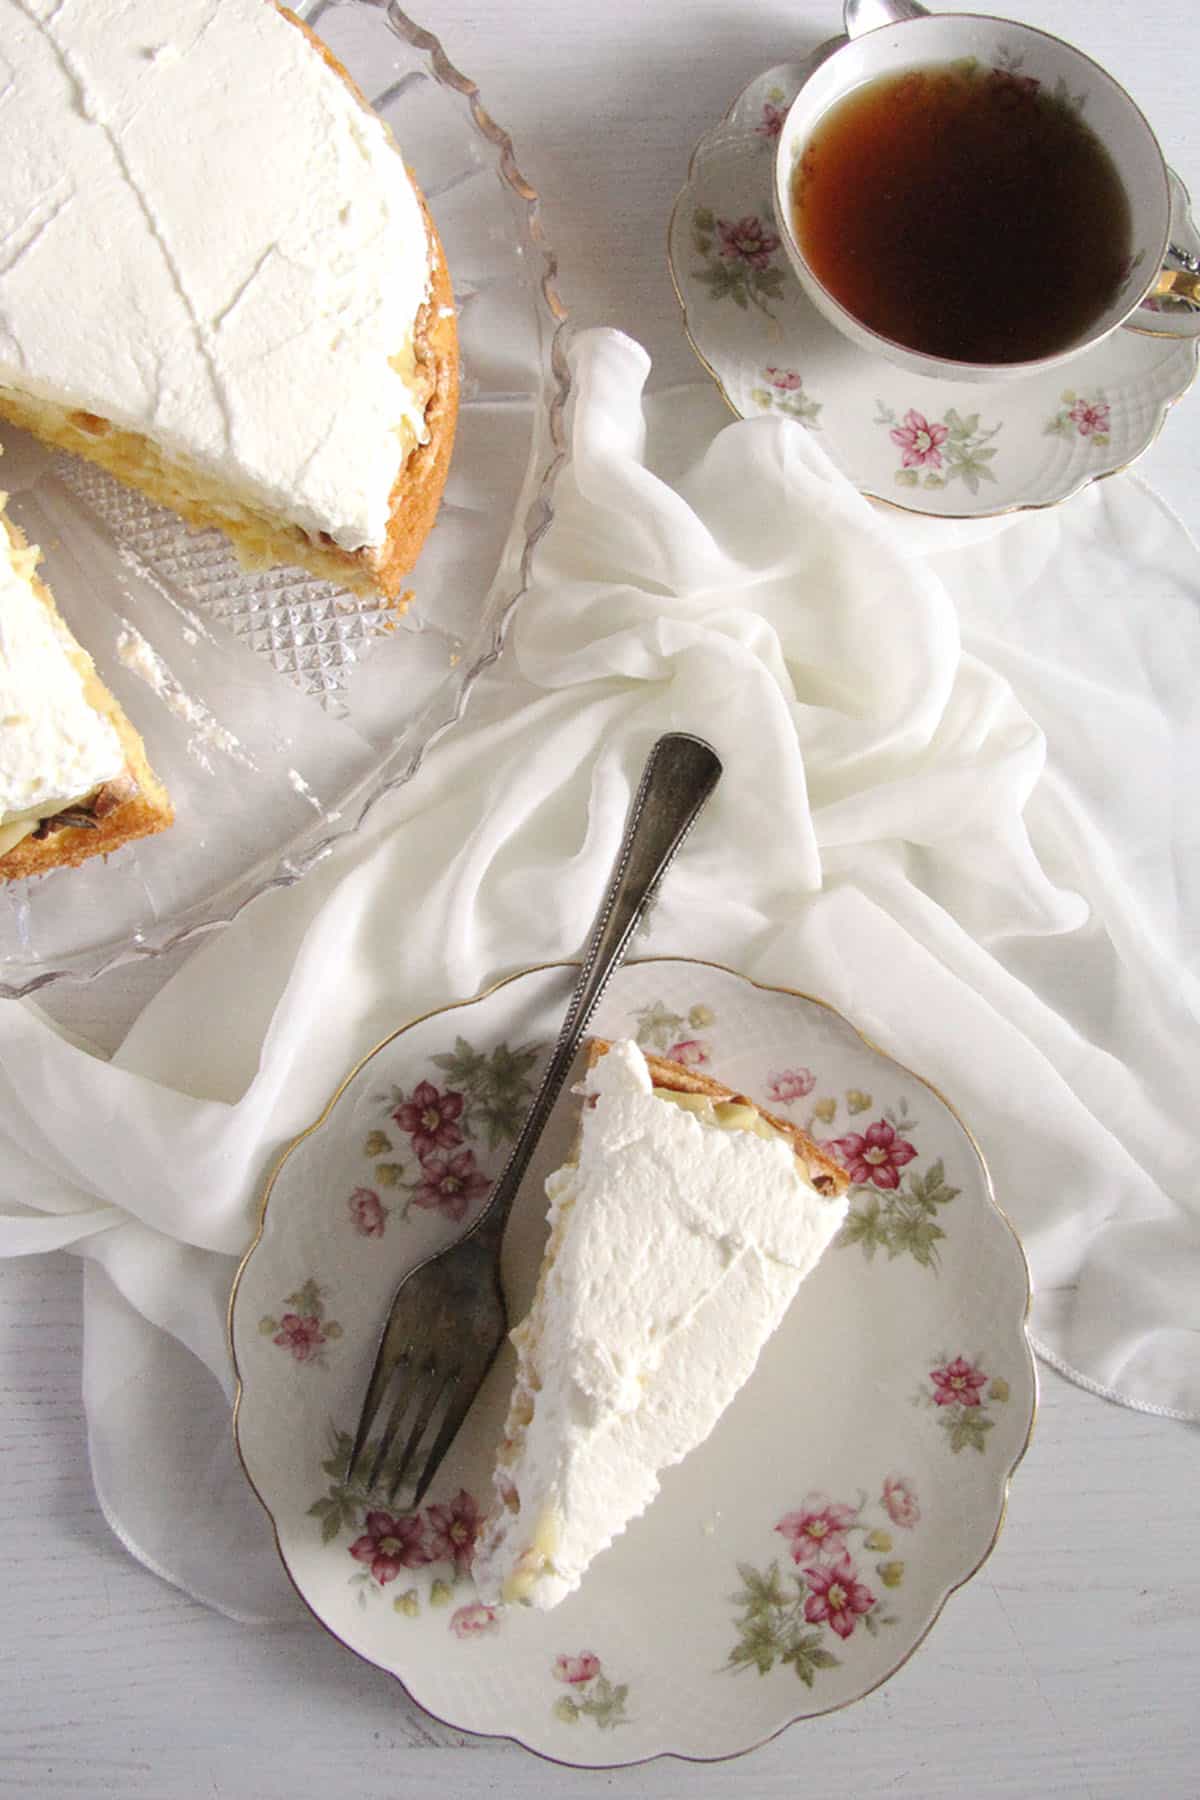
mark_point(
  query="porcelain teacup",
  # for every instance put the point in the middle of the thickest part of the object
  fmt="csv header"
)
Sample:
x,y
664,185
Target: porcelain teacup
x,y
919,39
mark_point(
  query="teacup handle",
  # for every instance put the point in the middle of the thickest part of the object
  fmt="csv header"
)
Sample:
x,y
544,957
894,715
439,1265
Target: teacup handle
x,y
1179,284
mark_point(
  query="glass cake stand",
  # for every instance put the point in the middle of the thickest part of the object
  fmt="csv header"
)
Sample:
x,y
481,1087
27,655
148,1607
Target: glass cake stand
x,y
276,707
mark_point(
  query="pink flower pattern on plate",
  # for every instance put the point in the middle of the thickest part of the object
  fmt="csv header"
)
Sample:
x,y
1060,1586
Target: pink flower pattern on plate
x,y
442,1131
303,1330
957,1384
391,1543
900,1502
441,1538
789,1085
738,259
474,1621
452,1528
817,1529
431,1118
367,1212
1090,418
1082,416
303,1336
690,1053
876,1155
956,1395
836,1596
788,381
920,439
746,240
771,123
783,1618
450,1184
576,1669
934,452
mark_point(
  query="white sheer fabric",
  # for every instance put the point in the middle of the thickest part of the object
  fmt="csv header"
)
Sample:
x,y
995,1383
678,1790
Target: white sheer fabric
x,y
958,804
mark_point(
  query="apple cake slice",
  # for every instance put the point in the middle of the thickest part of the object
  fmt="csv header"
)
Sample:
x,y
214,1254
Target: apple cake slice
x,y
74,779
680,1230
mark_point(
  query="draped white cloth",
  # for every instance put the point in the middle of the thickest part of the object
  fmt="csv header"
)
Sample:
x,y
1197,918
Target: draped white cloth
x,y
958,804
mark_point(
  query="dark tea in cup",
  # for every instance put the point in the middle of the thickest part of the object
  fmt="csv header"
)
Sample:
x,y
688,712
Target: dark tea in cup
x,y
964,212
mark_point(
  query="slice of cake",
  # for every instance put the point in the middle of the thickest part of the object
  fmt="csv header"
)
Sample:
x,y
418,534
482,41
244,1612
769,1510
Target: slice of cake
x,y
679,1233
219,282
74,780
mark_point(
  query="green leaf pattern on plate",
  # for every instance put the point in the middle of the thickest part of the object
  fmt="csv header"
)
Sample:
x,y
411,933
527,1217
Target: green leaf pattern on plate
x,y
794,1620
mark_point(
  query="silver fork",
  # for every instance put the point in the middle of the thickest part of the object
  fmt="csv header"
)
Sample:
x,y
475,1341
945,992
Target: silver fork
x,y
447,1319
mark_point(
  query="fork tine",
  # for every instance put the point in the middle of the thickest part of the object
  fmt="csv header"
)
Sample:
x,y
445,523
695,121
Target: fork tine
x,y
381,1375
461,1396
411,1385
400,1372
425,1412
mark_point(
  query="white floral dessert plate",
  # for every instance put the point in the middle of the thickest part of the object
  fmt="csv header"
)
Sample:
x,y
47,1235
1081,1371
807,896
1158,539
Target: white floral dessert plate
x,y
944,448
796,1559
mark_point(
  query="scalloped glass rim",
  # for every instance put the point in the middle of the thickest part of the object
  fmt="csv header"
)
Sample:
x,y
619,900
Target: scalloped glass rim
x,y
478,647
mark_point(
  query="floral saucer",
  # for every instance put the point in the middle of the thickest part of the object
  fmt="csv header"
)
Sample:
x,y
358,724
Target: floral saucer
x,y
789,1565
945,448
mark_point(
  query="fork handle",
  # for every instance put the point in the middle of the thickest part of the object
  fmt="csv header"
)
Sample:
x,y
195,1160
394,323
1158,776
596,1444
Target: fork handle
x,y
679,776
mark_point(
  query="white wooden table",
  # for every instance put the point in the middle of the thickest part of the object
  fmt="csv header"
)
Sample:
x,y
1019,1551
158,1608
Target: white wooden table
x,y
1071,1664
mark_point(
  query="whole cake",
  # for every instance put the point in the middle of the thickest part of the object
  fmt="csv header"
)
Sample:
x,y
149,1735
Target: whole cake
x,y
219,281
680,1231
74,780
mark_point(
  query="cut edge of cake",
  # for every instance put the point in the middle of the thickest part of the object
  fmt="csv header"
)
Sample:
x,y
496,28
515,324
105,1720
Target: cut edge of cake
x,y
825,1175
132,804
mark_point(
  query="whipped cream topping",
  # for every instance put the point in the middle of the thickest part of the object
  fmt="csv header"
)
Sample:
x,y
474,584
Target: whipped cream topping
x,y
54,746
207,239
682,1246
